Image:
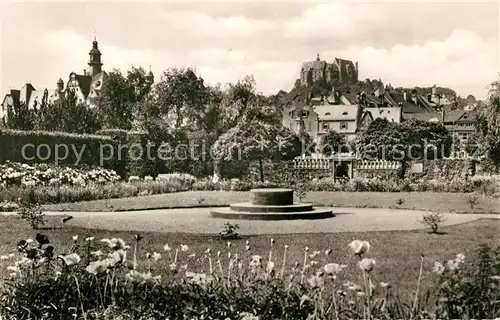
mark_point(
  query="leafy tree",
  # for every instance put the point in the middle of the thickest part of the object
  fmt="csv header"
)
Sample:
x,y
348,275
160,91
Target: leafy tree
x,y
182,96
116,101
256,140
138,80
68,115
239,103
20,117
410,140
332,143
487,122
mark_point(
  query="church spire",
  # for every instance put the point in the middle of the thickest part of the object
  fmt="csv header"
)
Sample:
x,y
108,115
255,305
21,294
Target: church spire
x,y
317,57
95,63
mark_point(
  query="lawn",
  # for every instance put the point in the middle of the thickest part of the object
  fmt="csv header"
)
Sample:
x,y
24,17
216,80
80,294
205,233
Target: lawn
x,y
397,253
430,201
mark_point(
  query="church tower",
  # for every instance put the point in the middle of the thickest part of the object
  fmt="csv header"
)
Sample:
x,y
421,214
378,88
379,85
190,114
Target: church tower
x,y
95,63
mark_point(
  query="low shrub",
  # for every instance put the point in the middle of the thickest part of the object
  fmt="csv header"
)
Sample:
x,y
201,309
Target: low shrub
x,y
432,219
32,213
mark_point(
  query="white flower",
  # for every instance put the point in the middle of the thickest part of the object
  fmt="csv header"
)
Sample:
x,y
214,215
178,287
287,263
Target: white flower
x,y
117,257
332,268
29,240
192,255
452,265
460,258
97,253
327,252
116,244
12,255
247,248
90,239
70,259
4,257
438,268
75,238
156,256
166,247
316,281
135,276
367,265
256,262
270,267
98,267
384,284
184,248
359,247
229,244
13,268
208,251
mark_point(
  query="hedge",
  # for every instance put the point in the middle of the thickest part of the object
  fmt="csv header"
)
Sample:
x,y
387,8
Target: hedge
x,y
55,147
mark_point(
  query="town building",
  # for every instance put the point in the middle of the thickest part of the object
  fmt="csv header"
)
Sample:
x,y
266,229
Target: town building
x,y
86,86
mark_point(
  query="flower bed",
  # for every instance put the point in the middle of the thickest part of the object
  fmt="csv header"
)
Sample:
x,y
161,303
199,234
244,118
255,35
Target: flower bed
x,y
17,174
105,278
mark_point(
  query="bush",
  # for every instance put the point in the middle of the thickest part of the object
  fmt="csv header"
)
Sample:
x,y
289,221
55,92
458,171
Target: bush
x,y
471,291
432,219
472,201
31,213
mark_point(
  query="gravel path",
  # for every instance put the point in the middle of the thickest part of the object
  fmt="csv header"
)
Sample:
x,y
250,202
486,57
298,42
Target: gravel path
x,y
199,221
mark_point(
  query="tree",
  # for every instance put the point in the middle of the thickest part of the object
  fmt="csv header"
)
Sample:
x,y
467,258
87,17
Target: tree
x,y
141,85
256,140
116,102
410,140
68,115
20,117
239,103
487,122
182,96
332,143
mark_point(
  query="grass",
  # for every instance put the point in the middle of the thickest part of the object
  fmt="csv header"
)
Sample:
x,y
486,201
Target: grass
x,y
397,253
430,201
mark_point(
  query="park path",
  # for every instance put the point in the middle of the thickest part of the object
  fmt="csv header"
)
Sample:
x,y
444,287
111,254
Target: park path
x,y
198,220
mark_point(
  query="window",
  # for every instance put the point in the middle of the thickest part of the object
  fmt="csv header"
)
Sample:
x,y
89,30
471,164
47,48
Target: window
x,y
326,127
309,126
343,125
328,114
344,113
305,113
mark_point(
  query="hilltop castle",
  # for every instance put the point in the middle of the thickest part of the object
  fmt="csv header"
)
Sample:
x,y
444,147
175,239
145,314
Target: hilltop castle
x,y
340,71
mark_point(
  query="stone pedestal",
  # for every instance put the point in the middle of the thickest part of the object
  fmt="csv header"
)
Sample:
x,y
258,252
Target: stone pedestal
x,y
271,204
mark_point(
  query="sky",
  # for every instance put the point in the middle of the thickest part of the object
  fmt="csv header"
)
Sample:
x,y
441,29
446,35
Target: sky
x,y
407,43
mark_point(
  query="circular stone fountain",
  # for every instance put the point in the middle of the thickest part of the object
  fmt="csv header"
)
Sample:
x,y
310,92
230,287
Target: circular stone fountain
x,y
271,204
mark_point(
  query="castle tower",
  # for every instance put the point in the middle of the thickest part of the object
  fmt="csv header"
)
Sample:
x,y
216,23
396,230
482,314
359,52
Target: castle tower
x,y
95,63
150,78
60,85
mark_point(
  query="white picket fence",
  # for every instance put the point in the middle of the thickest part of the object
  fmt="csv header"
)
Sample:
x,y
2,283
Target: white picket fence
x,y
312,163
326,164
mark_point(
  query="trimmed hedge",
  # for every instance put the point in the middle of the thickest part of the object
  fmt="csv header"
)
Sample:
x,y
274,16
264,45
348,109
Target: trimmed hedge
x,y
55,147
